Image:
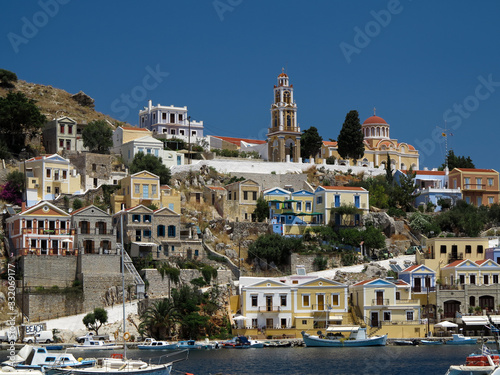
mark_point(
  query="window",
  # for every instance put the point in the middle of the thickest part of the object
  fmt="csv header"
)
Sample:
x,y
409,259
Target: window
x,y
171,230
443,249
254,300
305,300
48,189
147,218
490,182
68,144
180,116
304,322
63,225
409,315
467,200
136,218
229,196
299,206
64,175
148,150
61,128
472,279
337,201
160,231
468,249
61,143
245,195
156,152
172,118
461,279
486,279
356,201
193,133
137,188
335,300
308,206
455,183
283,300
254,195
479,249
467,182
153,190
479,183
398,296
472,301
495,279
181,131
48,172
479,201
163,116
387,316
319,200
490,200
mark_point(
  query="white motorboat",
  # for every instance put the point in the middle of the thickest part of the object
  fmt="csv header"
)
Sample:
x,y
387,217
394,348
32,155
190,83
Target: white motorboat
x,y
478,364
344,336
91,344
152,344
38,358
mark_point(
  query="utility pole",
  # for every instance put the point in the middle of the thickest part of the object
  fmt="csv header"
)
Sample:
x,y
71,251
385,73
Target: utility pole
x,y
428,285
189,139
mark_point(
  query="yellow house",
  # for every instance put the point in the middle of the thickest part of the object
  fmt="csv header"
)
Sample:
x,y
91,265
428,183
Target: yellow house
x,y
440,251
388,307
144,188
468,272
49,176
124,134
331,197
289,304
241,200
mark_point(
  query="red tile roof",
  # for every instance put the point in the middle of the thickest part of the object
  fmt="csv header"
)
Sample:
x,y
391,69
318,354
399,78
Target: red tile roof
x,y
475,170
134,128
411,268
401,282
364,282
327,143
455,263
479,262
216,188
237,141
374,120
430,173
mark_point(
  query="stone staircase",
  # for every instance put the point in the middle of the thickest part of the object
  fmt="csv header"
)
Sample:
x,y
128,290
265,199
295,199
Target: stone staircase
x,y
139,283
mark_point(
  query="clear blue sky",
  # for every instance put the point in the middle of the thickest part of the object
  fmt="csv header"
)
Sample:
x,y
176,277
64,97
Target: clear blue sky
x,y
418,62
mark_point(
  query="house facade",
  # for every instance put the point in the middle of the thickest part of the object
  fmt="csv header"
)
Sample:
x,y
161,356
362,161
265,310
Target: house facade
x,y
49,176
94,232
479,186
62,134
327,198
171,121
98,169
144,188
42,229
242,200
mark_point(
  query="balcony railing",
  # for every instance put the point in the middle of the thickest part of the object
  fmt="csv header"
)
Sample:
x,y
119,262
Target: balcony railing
x,y
380,301
95,231
453,257
407,301
46,251
421,289
48,231
269,308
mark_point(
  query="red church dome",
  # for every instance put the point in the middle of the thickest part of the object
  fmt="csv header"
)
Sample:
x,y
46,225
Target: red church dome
x,y
375,120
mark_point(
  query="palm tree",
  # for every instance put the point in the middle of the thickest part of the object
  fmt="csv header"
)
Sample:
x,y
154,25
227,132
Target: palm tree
x,y
160,319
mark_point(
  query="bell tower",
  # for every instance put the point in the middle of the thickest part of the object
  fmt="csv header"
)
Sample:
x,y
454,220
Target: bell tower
x,y
283,137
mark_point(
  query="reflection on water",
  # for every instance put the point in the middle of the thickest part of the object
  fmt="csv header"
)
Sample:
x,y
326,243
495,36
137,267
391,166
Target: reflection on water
x,y
390,360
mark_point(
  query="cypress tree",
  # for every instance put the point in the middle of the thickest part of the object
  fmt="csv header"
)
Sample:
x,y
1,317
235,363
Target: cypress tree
x,y
350,140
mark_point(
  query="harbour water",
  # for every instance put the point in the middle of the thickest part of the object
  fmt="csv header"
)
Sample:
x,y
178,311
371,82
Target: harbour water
x,y
389,360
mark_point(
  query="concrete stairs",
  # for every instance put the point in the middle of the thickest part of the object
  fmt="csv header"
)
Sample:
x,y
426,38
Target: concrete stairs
x,y
139,283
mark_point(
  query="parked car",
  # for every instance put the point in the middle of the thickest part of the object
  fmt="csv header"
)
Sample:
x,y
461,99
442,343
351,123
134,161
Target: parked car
x,y
39,337
91,336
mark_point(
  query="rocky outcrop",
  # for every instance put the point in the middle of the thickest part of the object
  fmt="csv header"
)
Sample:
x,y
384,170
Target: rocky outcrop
x,y
83,99
382,221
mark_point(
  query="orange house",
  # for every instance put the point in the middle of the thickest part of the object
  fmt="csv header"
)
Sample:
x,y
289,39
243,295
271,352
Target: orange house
x,y
479,186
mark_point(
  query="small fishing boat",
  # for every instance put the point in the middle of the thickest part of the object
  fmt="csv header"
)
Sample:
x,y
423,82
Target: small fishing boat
x,y
91,344
431,342
38,358
478,364
405,342
152,344
336,337
237,342
14,371
460,339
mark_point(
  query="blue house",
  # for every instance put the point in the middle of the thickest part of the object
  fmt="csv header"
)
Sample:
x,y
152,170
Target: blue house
x,y
493,253
421,278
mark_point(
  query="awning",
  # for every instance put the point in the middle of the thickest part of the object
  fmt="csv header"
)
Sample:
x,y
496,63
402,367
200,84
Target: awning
x,y
144,243
336,318
480,320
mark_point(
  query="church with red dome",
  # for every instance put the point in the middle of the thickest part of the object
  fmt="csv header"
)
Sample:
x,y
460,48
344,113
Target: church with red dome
x,y
378,144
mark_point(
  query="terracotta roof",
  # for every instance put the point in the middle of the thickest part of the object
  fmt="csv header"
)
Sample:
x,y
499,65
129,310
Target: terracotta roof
x,y
283,75
401,282
216,188
432,173
454,264
475,170
165,187
134,128
411,268
482,261
80,209
357,188
364,282
237,141
375,120
327,143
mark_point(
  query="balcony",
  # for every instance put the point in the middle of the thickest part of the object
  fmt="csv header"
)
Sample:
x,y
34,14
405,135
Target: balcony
x,y
269,309
380,301
422,289
454,257
407,302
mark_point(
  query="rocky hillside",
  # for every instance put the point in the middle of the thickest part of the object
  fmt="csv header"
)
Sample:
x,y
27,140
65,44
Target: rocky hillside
x,y
56,102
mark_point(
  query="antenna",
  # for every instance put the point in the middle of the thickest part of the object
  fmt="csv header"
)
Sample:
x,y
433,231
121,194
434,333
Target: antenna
x,y
445,135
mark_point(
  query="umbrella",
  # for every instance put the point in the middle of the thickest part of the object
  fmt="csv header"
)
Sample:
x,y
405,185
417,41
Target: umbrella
x,y
241,317
446,324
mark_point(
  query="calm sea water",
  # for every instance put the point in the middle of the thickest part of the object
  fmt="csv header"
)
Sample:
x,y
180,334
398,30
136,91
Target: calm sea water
x,y
389,360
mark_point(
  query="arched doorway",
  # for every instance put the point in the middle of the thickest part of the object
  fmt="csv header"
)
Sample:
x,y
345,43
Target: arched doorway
x,y
451,308
487,303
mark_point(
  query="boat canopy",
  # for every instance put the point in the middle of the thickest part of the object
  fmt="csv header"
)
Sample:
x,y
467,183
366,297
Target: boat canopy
x,y
342,329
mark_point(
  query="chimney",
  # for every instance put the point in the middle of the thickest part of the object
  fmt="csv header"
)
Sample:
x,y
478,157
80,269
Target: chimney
x,y
23,206
150,105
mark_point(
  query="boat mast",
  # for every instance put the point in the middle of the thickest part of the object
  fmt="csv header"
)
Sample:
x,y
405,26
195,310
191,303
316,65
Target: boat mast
x,y
123,287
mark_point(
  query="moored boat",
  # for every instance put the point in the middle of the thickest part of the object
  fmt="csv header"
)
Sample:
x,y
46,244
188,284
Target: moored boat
x,y
459,339
336,337
152,344
431,342
405,342
478,364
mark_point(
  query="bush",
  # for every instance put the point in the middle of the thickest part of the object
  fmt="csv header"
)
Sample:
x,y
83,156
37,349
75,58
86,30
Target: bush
x,y
348,258
77,204
331,160
396,212
320,263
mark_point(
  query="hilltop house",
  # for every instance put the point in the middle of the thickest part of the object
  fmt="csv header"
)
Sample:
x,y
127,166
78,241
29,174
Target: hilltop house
x,y
94,231
327,198
478,186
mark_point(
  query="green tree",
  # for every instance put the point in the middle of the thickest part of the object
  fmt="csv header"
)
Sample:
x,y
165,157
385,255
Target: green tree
x,y
150,163
94,320
388,171
346,213
463,219
20,120
274,248
310,143
159,320
350,139
405,193
457,161
373,238
7,78
261,211
98,137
